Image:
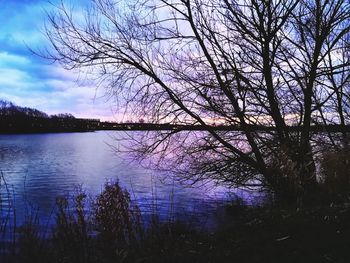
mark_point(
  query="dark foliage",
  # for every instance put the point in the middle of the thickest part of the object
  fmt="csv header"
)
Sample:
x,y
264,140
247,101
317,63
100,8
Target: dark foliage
x,y
16,119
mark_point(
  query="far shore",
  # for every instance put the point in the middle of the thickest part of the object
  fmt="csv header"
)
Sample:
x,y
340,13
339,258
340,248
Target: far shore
x,y
67,125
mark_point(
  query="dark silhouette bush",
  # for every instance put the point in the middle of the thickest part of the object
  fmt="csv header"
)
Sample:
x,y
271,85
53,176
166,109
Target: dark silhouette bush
x,y
335,167
117,219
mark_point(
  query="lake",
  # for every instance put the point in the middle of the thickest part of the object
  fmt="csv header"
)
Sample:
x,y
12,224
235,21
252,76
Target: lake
x,y
38,168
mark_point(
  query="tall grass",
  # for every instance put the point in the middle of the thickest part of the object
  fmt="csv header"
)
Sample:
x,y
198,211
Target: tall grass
x,y
108,228
335,168
7,217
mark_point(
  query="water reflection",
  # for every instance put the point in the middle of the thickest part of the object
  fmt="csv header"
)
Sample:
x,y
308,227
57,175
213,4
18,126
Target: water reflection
x,y
40,167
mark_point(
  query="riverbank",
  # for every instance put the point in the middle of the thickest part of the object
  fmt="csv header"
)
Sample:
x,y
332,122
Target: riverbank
x,y
114,232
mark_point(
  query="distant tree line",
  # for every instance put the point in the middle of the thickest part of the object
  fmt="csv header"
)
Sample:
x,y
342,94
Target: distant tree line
x,y
16,119
9,109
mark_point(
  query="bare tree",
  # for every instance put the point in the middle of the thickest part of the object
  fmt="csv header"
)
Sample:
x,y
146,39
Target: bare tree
x,y
247,63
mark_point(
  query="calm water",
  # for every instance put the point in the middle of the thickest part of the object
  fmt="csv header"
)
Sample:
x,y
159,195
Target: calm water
x,y
40,167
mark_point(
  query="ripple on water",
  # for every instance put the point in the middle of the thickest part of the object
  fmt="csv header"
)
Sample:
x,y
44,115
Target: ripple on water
x,y
40,167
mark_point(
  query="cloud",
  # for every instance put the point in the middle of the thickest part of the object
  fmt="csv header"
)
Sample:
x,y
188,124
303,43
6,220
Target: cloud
x,y
13,78
7,59
29,80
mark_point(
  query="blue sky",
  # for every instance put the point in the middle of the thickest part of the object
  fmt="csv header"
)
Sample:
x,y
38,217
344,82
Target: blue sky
x,y
29,80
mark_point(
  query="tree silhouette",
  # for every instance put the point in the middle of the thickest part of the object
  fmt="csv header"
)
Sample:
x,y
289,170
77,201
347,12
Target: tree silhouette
x,y
277,63
17,119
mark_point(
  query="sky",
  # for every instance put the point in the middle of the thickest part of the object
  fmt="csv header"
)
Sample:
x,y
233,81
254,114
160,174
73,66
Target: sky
x,y
28,80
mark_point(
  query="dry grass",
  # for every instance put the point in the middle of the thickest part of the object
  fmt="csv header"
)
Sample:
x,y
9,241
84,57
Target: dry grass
x,y
335,167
